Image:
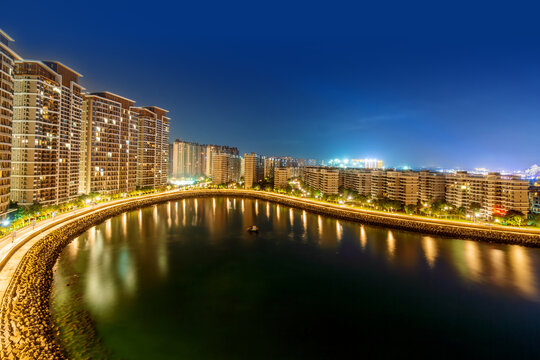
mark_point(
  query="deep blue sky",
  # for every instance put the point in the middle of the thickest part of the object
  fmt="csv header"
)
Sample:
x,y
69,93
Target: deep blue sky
x,y
415,83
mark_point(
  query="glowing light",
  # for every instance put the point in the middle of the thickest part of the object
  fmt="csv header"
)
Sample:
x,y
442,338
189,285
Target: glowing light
x,y
430,250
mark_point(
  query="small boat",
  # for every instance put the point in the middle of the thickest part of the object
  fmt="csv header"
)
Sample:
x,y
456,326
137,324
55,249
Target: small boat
x,y
252,228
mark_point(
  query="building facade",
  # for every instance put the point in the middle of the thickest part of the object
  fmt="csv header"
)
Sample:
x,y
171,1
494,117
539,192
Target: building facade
x,y
225,168
46,133
253,169
188,160
323,179
432,186
7,91
534,199
153,147
109,146
281,177
192,160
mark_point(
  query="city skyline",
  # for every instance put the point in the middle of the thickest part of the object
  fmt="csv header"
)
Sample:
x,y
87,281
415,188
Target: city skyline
x,y
335,90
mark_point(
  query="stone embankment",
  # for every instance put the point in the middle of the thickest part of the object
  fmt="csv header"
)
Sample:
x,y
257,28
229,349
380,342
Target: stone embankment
x,y
26,329
452,229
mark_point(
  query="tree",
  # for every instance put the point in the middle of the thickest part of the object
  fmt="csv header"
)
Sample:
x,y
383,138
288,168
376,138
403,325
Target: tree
x,y
534,219
461,211
410,209
514,218
475,207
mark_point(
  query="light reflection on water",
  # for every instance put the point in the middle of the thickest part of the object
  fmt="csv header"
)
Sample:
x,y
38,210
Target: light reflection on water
x,y
134,253
429,245
502,266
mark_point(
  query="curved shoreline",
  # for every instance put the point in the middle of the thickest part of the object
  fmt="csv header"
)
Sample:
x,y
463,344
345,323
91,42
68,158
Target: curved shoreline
x,y
26,329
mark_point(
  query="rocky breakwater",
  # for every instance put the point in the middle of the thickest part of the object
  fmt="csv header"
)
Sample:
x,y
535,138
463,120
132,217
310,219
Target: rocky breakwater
x,y
403,222
26,329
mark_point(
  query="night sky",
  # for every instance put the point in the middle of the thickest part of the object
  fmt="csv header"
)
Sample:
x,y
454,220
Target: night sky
x,y
420,84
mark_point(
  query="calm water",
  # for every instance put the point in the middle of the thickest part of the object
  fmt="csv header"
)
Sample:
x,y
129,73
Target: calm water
x,y
184,280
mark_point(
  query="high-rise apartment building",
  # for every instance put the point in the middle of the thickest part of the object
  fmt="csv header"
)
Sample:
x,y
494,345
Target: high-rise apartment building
x,y
69,131
253,169
193,160
153,146
211,150
7,60
269,164
46,133
109,146
225,168
189,160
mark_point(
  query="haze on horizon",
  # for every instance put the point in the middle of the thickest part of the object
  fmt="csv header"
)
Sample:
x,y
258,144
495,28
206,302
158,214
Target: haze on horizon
x,y
421,84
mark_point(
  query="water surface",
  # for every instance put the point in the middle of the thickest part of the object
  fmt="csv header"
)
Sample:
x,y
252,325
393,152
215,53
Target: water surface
x,y
184,280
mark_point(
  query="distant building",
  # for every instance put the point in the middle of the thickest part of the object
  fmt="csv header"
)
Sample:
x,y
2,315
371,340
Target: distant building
x,y
534,199
432,186
225,168
378,184
188,160
211,150
269,164
358,180
366,163
494,193
253,169
281,177
402,186
324,179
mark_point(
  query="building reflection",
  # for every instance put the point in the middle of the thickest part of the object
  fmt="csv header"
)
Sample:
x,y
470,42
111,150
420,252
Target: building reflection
x,y
391,243
339,231
363,237
523,273
473,261
291,217
429,245
118,256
